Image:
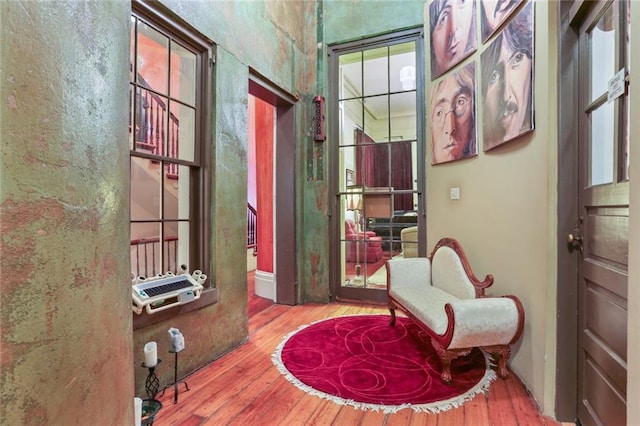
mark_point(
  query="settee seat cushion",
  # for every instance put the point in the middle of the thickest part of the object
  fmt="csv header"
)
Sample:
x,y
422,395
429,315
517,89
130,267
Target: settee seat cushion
x,y
426,303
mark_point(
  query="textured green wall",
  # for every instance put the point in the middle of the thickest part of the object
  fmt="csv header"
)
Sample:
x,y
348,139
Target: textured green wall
x,y
66,316
346,20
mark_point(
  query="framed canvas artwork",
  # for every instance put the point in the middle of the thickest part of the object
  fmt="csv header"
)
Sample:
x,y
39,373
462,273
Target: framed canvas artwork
x,y
452,111
493,13
452,28
508,81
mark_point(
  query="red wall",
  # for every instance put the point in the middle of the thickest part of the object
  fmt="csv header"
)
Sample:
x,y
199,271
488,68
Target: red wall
x,y
251,153
264,139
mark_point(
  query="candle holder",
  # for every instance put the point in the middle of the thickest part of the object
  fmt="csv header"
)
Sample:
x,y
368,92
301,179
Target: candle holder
x,y
175,378
152,383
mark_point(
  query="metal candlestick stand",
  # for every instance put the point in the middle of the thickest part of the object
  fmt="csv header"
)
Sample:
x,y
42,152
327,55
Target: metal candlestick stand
x,y
152,383
175,378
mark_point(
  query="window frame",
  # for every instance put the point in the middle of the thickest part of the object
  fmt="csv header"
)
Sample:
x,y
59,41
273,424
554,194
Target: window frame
x,y
163,20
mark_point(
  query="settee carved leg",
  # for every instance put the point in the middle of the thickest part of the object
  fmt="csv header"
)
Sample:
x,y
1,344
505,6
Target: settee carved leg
x,y
501,354
392,309
446,356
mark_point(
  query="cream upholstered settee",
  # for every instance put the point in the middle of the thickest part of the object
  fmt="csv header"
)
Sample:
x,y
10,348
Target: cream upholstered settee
x,y
443,296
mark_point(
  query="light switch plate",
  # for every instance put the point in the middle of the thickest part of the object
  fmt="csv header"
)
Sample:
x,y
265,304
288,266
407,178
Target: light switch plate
x,y
455,193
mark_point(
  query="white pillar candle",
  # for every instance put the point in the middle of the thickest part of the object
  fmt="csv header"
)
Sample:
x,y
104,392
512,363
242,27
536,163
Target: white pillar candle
x,y
137,412
150,354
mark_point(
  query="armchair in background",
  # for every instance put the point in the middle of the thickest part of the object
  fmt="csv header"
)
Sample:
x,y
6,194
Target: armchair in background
x,y
409,237
361,246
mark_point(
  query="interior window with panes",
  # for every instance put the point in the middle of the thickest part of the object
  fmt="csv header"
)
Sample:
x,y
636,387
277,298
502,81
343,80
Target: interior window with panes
x,y
168,148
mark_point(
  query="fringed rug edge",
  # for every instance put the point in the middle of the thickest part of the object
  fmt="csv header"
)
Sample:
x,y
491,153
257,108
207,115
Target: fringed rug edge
x,y
433,407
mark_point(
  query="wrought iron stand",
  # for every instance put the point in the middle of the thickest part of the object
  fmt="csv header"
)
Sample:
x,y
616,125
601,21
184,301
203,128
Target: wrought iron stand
x,y
175,378
152,383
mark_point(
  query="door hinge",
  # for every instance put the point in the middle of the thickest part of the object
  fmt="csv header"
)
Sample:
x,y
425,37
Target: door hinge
x,y
212,60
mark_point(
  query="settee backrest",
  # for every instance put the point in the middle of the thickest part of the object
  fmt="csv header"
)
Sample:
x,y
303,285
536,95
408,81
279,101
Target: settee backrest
x,y
448,274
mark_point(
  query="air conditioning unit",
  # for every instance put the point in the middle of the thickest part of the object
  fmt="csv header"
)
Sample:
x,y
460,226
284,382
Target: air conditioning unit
x,y
164,292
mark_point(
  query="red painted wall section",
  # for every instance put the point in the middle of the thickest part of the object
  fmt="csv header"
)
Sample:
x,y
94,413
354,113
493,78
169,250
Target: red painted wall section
x,y
264,141
251,153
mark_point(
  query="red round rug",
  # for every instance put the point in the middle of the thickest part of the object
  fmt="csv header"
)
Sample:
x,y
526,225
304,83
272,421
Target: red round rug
x,y
364,362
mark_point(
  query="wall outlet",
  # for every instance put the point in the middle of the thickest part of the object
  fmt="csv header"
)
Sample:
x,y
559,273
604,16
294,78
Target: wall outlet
x,y
455,193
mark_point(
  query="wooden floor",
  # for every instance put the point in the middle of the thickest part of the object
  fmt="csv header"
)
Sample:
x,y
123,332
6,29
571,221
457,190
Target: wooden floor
x,y
245,388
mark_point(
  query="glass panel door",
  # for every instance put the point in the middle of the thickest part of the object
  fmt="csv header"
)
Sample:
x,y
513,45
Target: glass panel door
x,y
379,141
602,224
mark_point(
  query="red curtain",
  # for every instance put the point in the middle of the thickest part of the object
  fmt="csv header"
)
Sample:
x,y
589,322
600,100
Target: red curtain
x,y
384,165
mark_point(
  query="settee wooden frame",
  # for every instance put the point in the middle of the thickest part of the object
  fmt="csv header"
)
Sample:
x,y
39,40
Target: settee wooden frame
x,y
441,342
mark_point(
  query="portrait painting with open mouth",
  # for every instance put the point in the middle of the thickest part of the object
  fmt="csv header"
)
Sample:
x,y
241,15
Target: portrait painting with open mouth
x,y
452,116
452,28
507,82
493,13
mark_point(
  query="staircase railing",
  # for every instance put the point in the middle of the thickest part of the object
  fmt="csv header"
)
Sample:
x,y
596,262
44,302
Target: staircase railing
x,y
252,229
151,113
145,253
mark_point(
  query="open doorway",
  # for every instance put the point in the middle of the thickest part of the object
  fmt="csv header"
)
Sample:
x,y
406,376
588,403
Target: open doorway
x,y
260,272
270,197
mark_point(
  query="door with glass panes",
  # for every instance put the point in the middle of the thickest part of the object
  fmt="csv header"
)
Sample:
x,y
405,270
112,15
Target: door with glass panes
x,y
376,139
600,237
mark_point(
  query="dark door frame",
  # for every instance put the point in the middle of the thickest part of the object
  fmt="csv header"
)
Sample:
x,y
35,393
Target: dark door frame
x,y
566,404
285,262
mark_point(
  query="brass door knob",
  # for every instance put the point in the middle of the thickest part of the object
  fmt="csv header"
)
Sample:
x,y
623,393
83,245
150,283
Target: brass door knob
x,y
572,239
574,242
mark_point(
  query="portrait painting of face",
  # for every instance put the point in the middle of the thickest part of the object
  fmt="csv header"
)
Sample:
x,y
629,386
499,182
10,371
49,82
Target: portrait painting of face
x,y
507,82
494,13
452,116
452,25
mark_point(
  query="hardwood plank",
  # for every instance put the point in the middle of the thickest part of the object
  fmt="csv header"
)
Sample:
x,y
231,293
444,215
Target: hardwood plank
x,y
234,404
304,410
325,414
477,411
521,401
277,401
500,407
265,317
348,416
207,400
257,371
401,418
372,418
219,379
191,420
221,375
424,419
452,417
251,369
